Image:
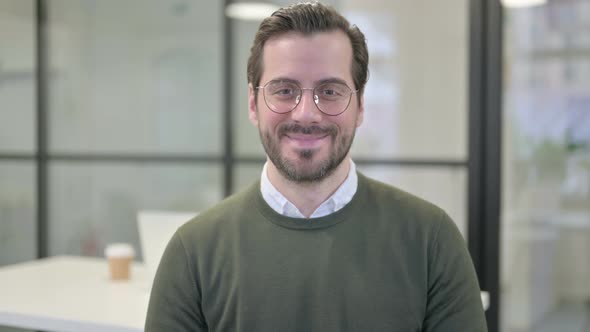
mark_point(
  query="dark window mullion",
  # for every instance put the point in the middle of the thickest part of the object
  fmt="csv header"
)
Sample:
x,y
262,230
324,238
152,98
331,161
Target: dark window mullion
x,y
18,156
132,158
42,84
485,70
228,160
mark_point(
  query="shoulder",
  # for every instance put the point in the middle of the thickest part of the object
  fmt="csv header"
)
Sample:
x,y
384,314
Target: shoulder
x,y
404,205
407,216
220,218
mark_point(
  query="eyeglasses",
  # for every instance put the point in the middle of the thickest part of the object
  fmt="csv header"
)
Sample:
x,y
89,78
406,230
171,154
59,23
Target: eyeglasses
x,y
331,98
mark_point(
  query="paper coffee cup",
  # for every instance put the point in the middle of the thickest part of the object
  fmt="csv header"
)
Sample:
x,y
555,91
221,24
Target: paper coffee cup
x,y
119,256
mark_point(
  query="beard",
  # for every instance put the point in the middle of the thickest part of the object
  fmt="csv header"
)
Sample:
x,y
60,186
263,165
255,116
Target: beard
x,y
303,169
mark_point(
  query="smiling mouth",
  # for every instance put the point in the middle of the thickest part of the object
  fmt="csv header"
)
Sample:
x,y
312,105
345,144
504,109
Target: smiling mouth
x,y
306,137
295,129
306,141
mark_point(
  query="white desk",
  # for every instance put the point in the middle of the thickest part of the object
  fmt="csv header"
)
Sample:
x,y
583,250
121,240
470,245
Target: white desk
x,y
73,294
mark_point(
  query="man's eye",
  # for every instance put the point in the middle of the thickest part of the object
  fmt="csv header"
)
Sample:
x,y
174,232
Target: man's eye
x,y
331,93
284,92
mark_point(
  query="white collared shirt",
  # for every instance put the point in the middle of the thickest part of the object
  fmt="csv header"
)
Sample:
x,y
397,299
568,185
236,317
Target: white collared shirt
x,y
337,201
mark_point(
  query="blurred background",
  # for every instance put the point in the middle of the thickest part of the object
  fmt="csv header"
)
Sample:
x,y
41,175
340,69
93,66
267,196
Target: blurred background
x,y
112,107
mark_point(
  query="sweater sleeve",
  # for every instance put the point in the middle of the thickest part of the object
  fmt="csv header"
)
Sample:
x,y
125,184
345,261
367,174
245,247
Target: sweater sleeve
x,y
454,302
175,304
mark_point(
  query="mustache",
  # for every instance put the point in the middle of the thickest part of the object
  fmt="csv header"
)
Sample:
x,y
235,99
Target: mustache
x,y
295,128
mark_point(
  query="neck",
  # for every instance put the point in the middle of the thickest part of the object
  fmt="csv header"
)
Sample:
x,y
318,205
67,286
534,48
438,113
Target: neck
x,y
307,197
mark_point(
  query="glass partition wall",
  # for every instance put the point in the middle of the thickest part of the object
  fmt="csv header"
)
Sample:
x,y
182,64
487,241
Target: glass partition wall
x,y
545,279
134,116
18,230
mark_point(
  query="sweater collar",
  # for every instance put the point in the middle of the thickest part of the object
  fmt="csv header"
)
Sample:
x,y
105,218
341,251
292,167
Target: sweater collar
x,y
278,202
312,223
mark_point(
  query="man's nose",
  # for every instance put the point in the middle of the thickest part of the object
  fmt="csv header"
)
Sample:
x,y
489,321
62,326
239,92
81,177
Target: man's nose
x,y
307,110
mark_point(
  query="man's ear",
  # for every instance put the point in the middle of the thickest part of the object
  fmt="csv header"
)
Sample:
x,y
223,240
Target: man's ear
x,y
361,112
252,113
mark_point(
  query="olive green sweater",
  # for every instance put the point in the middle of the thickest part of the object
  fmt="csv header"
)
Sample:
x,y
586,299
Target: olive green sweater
x,y
387,261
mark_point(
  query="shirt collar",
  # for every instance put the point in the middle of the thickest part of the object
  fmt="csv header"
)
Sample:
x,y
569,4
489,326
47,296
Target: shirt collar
x,y
337,201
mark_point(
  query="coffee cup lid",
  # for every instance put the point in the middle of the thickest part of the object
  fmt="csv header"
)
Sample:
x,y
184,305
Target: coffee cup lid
x,y
119,250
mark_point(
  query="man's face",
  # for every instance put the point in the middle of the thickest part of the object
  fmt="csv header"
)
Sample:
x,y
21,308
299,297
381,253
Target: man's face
x,y
306,145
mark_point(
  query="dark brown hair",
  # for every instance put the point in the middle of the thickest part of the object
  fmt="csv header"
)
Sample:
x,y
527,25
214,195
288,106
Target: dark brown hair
x,y
308,18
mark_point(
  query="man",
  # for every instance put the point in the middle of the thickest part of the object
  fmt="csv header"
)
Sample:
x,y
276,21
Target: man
x,y
314,245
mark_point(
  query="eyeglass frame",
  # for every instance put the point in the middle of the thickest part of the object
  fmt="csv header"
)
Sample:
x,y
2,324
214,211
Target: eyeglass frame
x,y
301,94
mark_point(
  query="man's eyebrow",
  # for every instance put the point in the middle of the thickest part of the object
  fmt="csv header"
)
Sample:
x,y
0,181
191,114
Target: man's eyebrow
x,y
322,81
331,80
284,79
